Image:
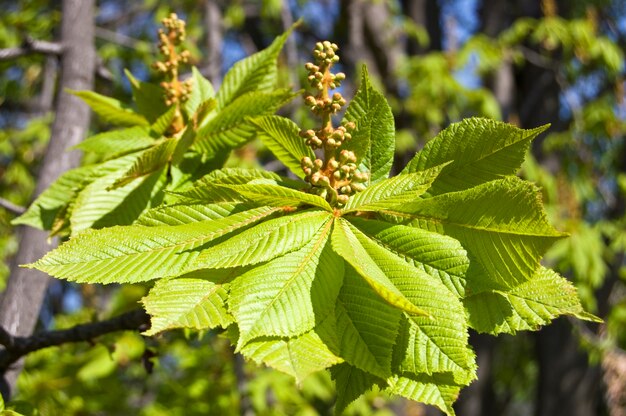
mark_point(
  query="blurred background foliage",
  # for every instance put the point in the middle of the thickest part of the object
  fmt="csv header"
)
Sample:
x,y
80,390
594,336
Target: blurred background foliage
x,y
525,62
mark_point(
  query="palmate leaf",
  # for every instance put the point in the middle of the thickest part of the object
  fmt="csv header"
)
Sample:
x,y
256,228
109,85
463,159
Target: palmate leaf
x,y
501,224
440,256
346,244
289,295
392,191
525,307
373,141
481,150
111,110
138,253
266,241
281,136
258,72
186,303
232,127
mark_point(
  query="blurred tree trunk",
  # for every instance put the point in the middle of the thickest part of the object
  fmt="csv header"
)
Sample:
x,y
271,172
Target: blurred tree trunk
x,y
212,69
26,288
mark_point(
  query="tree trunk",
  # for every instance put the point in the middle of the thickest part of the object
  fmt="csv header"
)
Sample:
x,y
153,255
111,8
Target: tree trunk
x,y
25,290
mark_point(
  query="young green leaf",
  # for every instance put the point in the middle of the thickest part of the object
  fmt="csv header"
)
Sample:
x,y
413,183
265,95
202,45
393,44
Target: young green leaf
x,y
298,356
149,98
346,244
258,72
265,241
437,389
186,303
367,326
351,383
54,200
115,143
440,256
149,161
289,295
201,91
110,109
179,214
98,206
374,140
481,150
525,307
391,192
276,195
137,253
281,136
501,224
231,127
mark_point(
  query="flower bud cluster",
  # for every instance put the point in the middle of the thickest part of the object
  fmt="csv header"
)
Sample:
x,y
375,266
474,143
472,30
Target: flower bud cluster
x,y
336,177
170,40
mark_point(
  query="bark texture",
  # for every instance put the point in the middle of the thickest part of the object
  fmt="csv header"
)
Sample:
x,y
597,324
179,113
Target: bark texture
x,y
25,290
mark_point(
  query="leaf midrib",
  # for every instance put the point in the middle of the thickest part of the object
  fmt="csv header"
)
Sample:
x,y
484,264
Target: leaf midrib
x,y
469,226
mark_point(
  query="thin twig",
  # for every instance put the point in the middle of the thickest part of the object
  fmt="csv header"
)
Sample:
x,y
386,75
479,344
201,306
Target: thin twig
x,y
11,207
17,347
30,46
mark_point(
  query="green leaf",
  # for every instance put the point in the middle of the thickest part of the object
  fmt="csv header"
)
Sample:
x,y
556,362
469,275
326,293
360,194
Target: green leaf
x,y
207,189
258,72
265,241
299,356
110,109
118,142
351,383
231,127
346,244
163,123
179,214
276,195
501,224
374,139
149,161
201,91
367,326
525,307
138,253
481,150
55,199
392,191
186,303
438,390
281,136
149,98
289,295
428,344
98,206
440,256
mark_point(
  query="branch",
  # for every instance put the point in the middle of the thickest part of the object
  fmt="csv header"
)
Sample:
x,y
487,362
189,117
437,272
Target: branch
x,y
30,46
11,207
17,347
